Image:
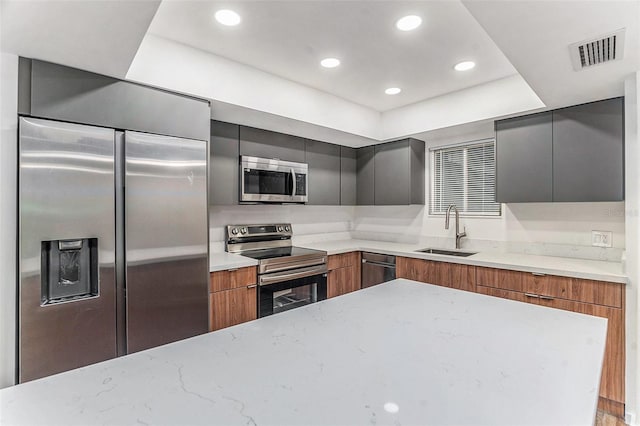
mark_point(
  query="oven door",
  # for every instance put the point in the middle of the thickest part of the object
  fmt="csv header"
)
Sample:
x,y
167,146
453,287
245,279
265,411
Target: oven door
x,y
282,291
265,180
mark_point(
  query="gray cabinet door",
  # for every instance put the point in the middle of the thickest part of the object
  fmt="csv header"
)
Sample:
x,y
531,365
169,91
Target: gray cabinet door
x,y
69,94
392,182
224,173
365,176
324,172
268,144
348,170
524,150
588,152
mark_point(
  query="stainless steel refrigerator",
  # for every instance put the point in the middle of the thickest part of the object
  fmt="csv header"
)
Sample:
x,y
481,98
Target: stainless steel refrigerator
x,y
112,244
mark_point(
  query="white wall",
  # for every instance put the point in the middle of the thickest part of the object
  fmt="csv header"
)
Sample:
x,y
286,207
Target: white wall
x,y
509,95
8,185
242,91
173,66
632,197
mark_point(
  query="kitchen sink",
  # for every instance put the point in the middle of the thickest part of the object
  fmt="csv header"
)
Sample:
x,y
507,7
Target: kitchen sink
x,y
446,252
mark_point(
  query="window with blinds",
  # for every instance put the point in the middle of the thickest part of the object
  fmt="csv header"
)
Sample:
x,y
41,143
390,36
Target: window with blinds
x,y
464,175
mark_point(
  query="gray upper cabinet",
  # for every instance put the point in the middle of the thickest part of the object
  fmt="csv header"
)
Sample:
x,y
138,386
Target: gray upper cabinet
x,y
588,152
365,176
324,172
224,165
267,144
61,93
569,154
399,173
524,149
348,181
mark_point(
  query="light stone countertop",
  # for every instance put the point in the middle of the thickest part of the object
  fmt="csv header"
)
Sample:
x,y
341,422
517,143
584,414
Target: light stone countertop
x,y
563,266
400,353
220,261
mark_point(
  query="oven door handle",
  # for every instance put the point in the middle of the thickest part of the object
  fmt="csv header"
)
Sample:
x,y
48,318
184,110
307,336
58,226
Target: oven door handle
x,y
298,273
294,188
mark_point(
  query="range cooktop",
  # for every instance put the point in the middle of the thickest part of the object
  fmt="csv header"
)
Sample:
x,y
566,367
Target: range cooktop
x,y
270,253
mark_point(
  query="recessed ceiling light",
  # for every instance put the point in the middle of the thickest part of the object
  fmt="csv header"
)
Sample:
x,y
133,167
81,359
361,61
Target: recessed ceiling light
x,y
408,23
393,90
228,17
330,62
465,66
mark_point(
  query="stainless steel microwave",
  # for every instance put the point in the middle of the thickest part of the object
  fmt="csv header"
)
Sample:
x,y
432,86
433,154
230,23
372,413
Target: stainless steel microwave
x,y
273,181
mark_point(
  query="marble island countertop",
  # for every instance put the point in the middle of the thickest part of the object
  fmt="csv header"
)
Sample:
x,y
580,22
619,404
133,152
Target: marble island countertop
x,y
398,353
552,265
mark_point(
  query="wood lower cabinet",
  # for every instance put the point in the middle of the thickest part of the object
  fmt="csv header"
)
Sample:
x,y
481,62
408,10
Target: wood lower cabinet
x,y
233,297
232,278
344,274
597,298
231,307
453,275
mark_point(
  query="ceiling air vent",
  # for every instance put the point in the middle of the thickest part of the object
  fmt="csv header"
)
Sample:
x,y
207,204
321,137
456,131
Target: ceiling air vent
x,y
606,48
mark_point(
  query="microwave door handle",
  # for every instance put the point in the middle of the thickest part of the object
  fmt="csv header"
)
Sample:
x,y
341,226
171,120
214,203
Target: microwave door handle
x,y
293,187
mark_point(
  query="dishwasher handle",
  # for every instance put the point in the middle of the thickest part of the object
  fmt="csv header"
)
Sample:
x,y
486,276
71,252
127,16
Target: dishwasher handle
x,y
383,264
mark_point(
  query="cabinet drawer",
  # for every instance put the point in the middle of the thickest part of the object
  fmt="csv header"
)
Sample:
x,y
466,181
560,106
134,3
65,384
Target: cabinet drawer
x,y
336,261
500,278
575,289
233,278
597,292
453,275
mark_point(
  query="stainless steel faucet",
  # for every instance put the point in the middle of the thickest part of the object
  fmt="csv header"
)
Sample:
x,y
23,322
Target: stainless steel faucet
x,y
459,235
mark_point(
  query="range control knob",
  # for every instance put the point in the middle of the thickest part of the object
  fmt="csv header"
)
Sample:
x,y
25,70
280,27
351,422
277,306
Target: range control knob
x,y
234,231
287,228
243,231
279,228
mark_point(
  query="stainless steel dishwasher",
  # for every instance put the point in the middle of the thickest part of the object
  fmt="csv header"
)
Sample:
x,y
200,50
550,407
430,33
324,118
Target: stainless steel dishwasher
x,y
377,269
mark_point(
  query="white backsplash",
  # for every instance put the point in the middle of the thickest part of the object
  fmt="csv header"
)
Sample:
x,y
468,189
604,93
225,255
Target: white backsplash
x,y
309,223
554,229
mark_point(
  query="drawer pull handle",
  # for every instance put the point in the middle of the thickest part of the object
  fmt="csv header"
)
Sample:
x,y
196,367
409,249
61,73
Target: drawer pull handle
x,y
252,286
546,298
532,295
537,274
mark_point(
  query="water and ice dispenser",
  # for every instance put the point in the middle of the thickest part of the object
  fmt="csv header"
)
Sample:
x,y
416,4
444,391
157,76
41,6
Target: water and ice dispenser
x,y
69,270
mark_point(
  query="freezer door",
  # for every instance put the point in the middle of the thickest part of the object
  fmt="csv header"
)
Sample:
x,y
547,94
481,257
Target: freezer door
x,y
66,247
166,239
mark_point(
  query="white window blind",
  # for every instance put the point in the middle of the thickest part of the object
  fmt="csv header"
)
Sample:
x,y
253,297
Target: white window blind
x,y
464,175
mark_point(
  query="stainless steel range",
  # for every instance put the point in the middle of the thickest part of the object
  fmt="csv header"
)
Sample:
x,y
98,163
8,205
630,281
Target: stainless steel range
x,y
288,276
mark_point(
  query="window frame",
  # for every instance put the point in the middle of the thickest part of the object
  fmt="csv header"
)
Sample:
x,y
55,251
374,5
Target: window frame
x,y
466,144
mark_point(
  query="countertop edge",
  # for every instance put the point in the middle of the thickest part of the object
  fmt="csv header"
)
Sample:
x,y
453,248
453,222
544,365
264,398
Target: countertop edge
x,y
619,279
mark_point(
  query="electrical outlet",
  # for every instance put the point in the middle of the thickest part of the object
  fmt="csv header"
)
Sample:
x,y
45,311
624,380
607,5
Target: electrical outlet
x,y
602,238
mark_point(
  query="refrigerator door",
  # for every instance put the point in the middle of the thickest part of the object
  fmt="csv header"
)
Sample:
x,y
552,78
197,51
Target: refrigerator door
x,y
166,239
66,247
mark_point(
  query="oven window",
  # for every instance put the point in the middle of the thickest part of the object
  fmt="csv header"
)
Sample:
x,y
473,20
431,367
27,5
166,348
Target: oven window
x,y
283,296
294,297
267,182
